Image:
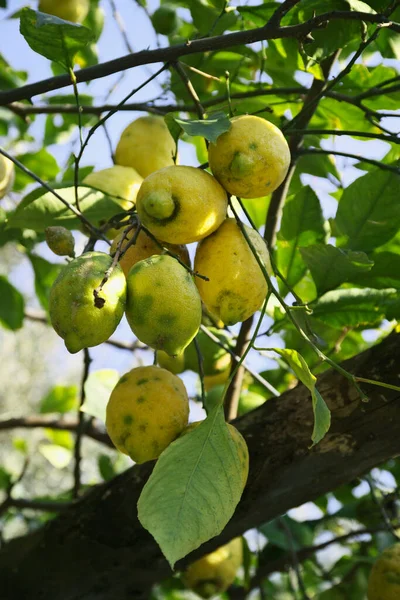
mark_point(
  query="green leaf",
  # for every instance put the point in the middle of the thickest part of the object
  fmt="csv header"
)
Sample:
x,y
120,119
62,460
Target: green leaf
x,y
42,163
60,399
331,266
11,305
194,488
98,388
45,275
322,417
5,479
52,37
60,438
322,414
353,307
257,16
257,209
57,456
302,225
369,210
41,209
384,274
301,533
210,128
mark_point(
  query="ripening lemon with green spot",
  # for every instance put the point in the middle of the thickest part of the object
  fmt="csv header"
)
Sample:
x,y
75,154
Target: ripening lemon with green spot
x,y
163,304
146,145
181,205
147,410
74,314
69,10
214,573
251,159
237,287
144,247
122,183
384,579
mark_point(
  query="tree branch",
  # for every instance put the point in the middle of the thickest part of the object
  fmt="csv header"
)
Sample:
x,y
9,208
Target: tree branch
x,y
376,163
100,535
173,53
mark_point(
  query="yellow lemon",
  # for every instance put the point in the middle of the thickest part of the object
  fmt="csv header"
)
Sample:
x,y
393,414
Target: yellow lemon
x,y
181,205
146,145
7,175
163,306
122,183
384,579
215,358
69,10
147,410
214,573
144,248
211,381
251,159
236,288
174,364
74,314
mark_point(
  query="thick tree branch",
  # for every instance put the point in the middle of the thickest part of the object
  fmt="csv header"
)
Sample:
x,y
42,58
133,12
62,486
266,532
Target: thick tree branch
x,y
99,551
173,53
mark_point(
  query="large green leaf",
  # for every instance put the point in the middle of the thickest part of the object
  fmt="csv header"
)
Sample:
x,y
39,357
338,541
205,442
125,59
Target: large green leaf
x,y
302,225
11,305
384,274
40,209
322,414
45,275
354,307
369,210
194,488
52,37
42,163
331,266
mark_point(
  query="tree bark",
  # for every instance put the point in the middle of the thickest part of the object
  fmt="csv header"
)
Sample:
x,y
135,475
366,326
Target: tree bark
x,y
97,549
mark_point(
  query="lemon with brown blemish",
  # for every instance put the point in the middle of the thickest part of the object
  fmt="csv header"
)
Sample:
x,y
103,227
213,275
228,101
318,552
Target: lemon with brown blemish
x,y
7,175
69,10
236,288
181,204
146,145
384,579
144,247
214,573
76,315
147,410
122,183
251,159
163,305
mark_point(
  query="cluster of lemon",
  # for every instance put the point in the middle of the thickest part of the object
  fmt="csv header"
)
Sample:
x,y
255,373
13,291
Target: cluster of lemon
x,y
162,300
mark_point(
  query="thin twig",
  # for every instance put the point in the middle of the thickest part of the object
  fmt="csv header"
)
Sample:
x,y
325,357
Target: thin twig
x,y
394,139
294,559
81,426
231,403
189,86
201,370
371,161
381,508
281,11
121,26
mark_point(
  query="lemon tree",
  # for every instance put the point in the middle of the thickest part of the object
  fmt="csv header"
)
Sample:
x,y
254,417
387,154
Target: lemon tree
x,y
199,299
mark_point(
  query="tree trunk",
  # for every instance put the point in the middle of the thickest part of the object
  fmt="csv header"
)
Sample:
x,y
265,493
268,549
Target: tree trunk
x,y
97,549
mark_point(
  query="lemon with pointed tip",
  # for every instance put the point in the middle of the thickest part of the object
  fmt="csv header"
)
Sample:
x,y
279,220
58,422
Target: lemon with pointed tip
x,y
146,145
236,288
7,175
181,204
122,183
163,305
69,10
147,410
251,159
76,315
144,247
384,579
214,573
